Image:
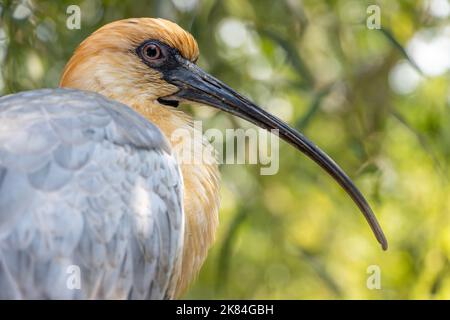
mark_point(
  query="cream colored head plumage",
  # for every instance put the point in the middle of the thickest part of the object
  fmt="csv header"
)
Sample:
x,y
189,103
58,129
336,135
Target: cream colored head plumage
x,y
106,61
149,64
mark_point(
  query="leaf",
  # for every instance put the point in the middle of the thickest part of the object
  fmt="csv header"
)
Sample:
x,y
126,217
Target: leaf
x,y
391,38
292,54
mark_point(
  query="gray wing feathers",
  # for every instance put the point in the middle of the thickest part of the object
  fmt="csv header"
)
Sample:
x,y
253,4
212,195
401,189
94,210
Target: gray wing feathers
x,y
88,185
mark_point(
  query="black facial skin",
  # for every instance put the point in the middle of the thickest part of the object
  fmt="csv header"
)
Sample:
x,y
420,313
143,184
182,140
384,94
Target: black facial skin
x,y
195,85
167,62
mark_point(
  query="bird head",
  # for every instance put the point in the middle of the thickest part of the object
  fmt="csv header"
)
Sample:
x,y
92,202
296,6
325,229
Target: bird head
x,y
128,58
154,60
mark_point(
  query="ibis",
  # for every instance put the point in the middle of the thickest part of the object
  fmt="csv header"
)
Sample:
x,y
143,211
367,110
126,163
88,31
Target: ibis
x,y
95,202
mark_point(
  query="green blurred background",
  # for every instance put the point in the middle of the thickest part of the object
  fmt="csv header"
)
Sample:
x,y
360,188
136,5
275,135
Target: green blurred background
x,y
377,101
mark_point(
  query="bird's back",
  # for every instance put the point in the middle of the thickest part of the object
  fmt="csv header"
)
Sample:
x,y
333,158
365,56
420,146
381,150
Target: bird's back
x,y
90,200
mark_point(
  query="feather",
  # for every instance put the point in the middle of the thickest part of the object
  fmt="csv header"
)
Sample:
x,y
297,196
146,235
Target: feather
x,y
74,210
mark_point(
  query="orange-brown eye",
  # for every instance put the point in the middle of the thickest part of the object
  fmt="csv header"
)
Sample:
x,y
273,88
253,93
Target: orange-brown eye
x,y
152,51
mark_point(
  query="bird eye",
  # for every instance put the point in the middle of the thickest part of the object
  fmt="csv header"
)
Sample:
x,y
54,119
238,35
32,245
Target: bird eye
x,y
152,52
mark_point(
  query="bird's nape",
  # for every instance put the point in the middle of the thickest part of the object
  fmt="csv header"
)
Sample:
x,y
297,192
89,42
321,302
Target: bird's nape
x,y
195,85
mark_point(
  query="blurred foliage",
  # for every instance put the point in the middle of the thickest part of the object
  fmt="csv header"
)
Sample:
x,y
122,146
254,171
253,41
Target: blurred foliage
x,y
350,89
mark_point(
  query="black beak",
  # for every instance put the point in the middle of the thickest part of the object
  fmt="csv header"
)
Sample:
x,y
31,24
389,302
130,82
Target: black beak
x,y
198,86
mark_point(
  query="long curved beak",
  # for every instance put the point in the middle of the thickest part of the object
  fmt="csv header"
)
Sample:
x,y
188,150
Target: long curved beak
x,y
198,86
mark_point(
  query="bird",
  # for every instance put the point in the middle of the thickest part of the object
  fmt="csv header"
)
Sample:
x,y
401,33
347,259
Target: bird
x,y
91,175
